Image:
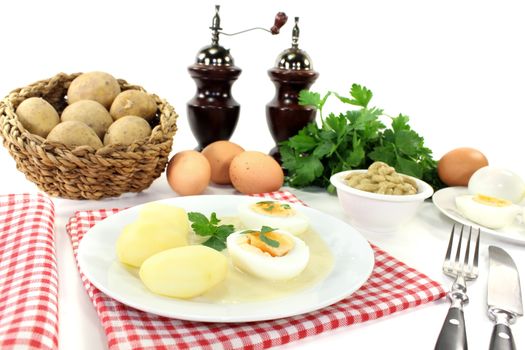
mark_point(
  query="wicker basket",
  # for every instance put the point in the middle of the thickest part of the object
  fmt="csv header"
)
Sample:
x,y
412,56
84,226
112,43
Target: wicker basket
x,y
83,172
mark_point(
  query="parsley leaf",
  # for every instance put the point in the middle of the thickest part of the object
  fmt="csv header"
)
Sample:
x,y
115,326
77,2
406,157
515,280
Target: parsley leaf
x,y
302,142
408,142
308,168
309,98
200,224
361,96
204,227
324,148
266,239
215,243
356,155
223,231
408,167
385,154
400,123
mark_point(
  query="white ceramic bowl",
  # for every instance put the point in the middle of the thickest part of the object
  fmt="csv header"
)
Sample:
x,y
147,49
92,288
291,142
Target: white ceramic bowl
x,y
378,212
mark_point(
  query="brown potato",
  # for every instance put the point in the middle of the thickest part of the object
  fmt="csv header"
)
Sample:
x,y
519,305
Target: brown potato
x,y
134,102
74,133
127,130
37,116
90,112
98,86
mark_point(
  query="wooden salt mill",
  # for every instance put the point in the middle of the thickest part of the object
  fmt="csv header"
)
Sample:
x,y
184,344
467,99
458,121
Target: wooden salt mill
x,y
213,112
292,73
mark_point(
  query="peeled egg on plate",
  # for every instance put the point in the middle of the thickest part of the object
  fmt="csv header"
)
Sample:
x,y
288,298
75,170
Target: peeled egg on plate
x,y
274,214
278,255
498,183
487,211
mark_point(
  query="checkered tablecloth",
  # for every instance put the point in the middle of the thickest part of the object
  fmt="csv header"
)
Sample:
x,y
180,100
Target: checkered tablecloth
x,y
392,287
28,273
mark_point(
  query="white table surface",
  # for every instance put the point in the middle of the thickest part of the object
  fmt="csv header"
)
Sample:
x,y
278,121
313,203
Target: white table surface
x,y
456,68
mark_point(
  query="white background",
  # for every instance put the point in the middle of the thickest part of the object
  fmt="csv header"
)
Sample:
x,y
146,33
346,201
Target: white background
x,y
457,68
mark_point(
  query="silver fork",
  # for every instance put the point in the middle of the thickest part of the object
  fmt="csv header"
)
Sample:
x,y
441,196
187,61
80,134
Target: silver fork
x,y
453,334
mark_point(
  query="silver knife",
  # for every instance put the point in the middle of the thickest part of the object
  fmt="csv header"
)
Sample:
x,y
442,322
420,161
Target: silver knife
x,y
503,298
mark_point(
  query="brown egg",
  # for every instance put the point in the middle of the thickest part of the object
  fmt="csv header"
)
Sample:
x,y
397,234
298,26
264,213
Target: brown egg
x,y
255,172
457,166
188,173
220,155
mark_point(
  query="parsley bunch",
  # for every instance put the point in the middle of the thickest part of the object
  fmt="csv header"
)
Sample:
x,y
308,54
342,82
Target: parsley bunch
x,y
353,140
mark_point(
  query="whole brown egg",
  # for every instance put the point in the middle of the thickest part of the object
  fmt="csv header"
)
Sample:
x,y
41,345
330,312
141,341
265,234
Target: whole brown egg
x,y
188,173
457,166
220,155
255,172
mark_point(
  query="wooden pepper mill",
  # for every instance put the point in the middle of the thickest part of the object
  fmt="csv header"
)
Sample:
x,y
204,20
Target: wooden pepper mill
x,y
213,112
292,73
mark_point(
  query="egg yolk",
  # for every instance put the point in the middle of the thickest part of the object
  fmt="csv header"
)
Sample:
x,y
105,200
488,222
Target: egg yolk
x,y
492,201
273,208
282,247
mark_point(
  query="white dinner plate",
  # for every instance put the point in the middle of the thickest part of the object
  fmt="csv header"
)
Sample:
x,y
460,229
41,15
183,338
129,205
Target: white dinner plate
x,y
353,264
444,200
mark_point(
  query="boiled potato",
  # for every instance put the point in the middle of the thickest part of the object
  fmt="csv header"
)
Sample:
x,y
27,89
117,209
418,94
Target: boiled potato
x,y
184,272
171,215
37,116
149,235
127,130
98,86
90,112
74,133
134,102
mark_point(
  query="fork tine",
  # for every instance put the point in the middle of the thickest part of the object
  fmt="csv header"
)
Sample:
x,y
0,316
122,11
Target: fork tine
x,y
467,252
476,252
449,248
458,250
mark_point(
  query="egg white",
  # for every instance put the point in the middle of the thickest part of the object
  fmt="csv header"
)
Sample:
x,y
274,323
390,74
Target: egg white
x,y
296,224
498,183
260,264
486,215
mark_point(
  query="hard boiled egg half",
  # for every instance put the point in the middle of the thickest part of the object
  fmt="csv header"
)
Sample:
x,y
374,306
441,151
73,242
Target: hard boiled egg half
x,y
273,214
488,211
268,253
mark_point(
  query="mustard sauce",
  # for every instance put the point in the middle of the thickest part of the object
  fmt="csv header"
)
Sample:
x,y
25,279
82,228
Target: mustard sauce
x,y
240,287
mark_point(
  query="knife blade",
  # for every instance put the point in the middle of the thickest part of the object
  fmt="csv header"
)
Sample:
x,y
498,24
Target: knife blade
x,y
503,298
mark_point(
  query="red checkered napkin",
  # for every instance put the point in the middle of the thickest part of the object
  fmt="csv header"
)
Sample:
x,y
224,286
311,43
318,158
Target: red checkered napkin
x,y
392,287
28,273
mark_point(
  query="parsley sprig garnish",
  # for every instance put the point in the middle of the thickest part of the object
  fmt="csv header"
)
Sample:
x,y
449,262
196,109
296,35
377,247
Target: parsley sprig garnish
x,y
204,227
353,140
262,235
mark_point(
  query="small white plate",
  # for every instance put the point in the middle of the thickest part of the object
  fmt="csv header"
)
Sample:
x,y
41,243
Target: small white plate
x,y
444,200
353,264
